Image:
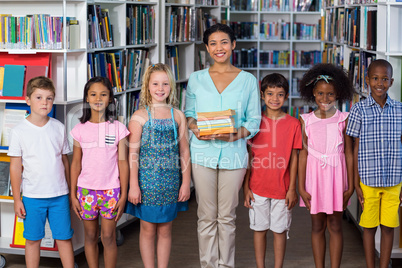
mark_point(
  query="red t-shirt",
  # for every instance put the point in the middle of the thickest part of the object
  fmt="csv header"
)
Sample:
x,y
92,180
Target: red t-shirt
x,y
271,149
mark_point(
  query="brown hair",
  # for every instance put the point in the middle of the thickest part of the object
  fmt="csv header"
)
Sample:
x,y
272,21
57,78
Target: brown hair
x,y
41,82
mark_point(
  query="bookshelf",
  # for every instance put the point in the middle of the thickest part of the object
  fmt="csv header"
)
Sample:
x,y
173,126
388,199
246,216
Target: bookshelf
x,y
110,29
355,56
184,22
280,39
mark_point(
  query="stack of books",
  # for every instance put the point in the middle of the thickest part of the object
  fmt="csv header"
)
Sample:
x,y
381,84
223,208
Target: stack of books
x,y
221,122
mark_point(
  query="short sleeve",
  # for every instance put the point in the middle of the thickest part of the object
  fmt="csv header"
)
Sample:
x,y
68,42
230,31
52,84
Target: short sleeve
x,y
297,140
14,148
75,133
354,122
123,131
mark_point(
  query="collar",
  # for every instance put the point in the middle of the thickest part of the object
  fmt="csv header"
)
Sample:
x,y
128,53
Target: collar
x,y
370,101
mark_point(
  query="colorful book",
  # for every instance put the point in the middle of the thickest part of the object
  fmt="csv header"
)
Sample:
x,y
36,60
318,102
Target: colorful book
x,y
13,80
34,71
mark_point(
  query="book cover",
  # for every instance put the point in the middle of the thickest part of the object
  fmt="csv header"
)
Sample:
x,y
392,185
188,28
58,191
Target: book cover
x,y
13,80
34,71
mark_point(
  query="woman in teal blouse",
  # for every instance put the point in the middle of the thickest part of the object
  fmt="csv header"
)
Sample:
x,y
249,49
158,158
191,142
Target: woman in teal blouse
x,y
219,162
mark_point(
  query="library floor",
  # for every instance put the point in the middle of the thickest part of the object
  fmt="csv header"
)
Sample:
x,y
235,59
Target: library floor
x,y
185,246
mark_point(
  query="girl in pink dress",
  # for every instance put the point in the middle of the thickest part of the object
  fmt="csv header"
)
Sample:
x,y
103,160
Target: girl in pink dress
x,y
326,160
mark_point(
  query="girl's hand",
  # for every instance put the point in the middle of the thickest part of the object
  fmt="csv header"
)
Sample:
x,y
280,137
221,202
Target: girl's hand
x,y
291,199
76,207
184,193
134,195
306,199
120,207
248,196
19,209
346,197
360,196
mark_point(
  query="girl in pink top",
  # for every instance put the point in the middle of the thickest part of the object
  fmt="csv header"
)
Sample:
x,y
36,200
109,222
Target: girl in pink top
x,y
99,170
326,160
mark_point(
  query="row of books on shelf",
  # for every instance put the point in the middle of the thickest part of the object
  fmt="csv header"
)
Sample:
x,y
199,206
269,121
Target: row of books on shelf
x,y
281,58
245,58
336,30
180,24
207,2
140,23
276,30
100,30
334,20
245,30
37,31
204,21
275,5
172,59
358,66
333,54
124,68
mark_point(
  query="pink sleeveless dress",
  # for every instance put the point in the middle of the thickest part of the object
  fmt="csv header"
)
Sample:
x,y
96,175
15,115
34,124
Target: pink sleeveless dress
x,y
326,174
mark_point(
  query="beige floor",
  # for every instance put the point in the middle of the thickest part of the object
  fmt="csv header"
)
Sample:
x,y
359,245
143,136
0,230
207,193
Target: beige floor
x,y
185,247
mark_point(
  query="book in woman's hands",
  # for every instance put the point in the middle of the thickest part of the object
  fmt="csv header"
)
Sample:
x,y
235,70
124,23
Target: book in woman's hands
x,y
220,122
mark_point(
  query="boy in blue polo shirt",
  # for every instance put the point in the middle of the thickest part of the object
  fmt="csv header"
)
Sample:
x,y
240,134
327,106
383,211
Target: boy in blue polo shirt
x,y
376,125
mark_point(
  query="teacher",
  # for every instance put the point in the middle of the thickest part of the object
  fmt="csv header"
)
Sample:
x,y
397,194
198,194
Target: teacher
x,y
219,161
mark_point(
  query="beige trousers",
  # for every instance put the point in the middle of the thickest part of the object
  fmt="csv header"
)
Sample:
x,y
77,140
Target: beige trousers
x,y
217,193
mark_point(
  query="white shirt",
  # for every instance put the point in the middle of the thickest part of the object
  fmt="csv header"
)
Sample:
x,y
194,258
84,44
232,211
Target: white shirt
x,y
41,149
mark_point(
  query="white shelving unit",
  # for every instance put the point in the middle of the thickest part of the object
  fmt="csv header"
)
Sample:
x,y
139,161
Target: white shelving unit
x,y
188,50
389,47
69,74
259,16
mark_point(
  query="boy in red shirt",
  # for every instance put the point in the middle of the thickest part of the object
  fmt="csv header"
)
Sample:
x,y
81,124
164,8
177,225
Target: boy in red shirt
x,y
270,182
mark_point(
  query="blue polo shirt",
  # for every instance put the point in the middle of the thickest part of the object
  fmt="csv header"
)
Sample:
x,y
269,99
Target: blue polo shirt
x,y
380,147
241,95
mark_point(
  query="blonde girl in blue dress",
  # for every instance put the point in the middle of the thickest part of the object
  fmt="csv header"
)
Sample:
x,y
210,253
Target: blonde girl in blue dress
x,y
159,159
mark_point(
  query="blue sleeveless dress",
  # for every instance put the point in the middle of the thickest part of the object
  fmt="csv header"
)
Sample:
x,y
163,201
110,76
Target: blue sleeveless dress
x,y
159,173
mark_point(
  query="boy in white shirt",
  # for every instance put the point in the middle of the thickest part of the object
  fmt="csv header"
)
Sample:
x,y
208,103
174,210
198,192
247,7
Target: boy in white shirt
x,y
39,144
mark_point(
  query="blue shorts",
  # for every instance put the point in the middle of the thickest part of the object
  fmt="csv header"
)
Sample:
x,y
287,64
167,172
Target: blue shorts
x,y
56,209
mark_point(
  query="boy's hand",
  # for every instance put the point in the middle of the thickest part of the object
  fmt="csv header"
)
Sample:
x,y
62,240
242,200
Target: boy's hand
x,y
134,195
248,195
346,197
76,207
184,193
306,199
120,207
359,193
19,209
291,199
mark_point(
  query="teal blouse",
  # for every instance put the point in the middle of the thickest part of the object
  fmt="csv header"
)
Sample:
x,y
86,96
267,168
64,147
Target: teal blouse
x,y
241,95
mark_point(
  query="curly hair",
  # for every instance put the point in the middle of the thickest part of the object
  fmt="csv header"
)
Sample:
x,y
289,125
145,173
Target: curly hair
x,y
340,81
145,95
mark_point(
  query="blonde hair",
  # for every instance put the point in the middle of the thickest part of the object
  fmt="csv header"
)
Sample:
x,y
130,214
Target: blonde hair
x,y
41,82
145,95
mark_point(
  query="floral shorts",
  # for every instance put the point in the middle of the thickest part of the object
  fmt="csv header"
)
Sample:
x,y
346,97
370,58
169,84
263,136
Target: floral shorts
x,y
95,202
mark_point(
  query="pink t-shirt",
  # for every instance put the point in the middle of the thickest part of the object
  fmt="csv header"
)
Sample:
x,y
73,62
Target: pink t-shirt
x,y
271,149
99,143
